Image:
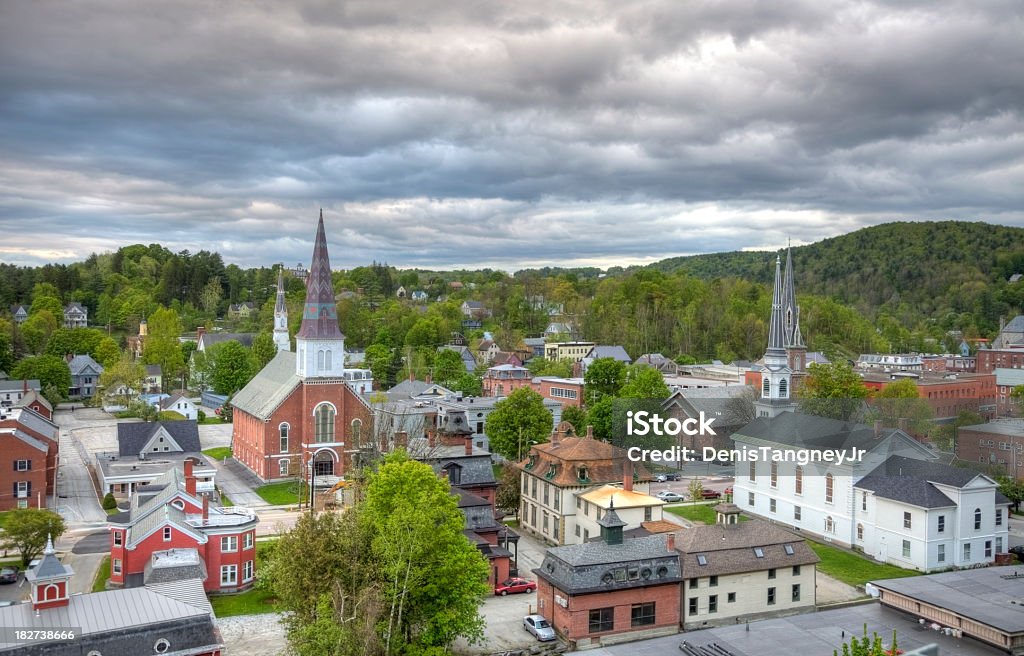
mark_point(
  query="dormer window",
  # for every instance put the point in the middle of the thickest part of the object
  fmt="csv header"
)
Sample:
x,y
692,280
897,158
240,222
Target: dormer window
x,y
531,461
582,473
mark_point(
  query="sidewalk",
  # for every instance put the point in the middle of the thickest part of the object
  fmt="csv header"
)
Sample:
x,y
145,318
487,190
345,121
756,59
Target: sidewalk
x,y
238,484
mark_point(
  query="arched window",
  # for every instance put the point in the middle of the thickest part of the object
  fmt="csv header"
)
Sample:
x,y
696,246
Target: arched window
x,y
357,428
282,467
830,526
765,388
323,417
284,437
799,478
829,486
977,519
860,532
320,360
775,474
51,592
783,389
327,360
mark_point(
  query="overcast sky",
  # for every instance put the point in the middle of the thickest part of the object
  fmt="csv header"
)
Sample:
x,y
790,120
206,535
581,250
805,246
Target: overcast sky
x,y
446,133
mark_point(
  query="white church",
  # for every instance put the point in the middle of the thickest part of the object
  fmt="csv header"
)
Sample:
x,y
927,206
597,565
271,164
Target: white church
x,y
896,504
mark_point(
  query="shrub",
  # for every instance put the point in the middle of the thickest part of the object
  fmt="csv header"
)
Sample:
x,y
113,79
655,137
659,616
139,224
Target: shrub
x,y
109,502
201,416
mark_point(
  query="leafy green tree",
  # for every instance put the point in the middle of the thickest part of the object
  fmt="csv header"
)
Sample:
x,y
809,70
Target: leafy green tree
x,y
162,345
73,340
575,416
644,383
899,401
832,390
599,415
604,377
49,304
696,490
378,360
507,496
6,352
107,352
232,368
448,367
36,330
518,421
865,646
123,379
109,502
263,350
467,383
545,367
53,374
1013,490
27,530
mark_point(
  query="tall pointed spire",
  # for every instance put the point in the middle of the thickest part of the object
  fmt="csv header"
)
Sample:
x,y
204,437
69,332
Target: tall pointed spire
x,y
281,338
320,315
776,329
790,308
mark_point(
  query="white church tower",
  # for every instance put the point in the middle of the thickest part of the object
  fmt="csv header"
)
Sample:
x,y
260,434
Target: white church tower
x,y
281,339
776,377
319,343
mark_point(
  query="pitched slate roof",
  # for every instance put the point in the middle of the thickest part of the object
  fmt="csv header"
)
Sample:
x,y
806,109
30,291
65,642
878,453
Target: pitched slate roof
x,y
616,352
596,566
154,370
911,481
19,385
269,388
174,565
34,397
476,469
171,400
320,314
132,437
80,363
603,461
716,402
24,437
37,423
816,433
730,549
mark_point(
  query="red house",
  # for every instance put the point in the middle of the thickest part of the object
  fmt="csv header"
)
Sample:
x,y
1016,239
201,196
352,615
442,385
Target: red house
x,y
169,515
28,458
300,416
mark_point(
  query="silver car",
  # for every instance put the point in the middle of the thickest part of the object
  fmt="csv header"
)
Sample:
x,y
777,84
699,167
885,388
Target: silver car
x,y
539,627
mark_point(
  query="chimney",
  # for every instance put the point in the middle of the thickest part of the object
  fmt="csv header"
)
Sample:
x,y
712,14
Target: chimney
x,y
670,539
24,385
206,507
590,432
903,424
432,438
411,376
627,475
429,379
878,428
401,440
556,437
190,479
469,445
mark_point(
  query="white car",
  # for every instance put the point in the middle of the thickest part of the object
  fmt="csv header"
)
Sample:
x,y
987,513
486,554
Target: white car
x,y
670,497
539,627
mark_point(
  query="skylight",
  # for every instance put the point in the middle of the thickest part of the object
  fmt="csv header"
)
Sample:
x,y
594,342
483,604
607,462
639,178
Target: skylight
x,y
702,560
759,552
789,549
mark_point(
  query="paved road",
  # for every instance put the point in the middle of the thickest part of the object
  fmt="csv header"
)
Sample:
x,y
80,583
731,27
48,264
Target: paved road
x,y
76,495
236,488
97,542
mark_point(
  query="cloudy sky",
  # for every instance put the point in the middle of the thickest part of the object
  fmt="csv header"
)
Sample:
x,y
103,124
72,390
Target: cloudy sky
x,y
445,133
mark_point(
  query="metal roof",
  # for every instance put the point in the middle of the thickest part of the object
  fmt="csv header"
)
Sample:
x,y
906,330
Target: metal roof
x,y
269,388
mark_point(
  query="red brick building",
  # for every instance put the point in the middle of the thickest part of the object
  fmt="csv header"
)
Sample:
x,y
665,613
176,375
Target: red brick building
x,y
567,391
169,515
300,416
28,458
988,360
503,379
948,394
999,443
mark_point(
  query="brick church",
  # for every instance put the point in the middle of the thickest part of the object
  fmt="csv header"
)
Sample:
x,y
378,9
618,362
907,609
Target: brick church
x,y
302,416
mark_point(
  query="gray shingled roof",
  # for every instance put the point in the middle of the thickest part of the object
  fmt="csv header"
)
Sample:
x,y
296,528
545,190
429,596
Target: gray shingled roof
x,y
476,469
19,385
592,567
174,565
269,388
714,402
731,549
80,363
816,433
616,352
26,438
154,370
37,423
909,480
132,437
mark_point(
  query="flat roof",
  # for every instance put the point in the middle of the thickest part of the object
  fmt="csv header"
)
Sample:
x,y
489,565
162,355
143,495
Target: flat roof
x,y
983,595
155,465
602,497
1013,428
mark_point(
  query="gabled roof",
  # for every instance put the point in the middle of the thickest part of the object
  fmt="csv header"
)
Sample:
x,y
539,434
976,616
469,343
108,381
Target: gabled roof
x,y
19,385
615,352
34,397
143,528
133,437
715,402
24,437
84,364
734,549
800,430
593,566
269,388
37,423
913,481
174,398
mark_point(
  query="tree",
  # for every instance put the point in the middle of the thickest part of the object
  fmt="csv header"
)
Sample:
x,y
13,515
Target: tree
x,y
107,352
1013,490
46,303
832,390
600,417
51,371
575,416
467,383
644,383
6,352
73,340
162,345
696,490
123,378
900,402
37,330
378,359
232,368
518,421
28,529
604,377
865,646
263,350
508,493
448,367
545,367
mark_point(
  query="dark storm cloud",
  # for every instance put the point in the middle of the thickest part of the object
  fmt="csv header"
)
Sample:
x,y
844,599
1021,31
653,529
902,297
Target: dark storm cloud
x,y
443,133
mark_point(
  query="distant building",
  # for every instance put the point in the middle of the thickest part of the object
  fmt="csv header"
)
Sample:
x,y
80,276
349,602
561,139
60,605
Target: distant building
x,y
241,310
572,351
536,345
76,315
13,391
1010,334
947,394
37,403
890,362
153,383
658,361
731,408
419,296
19,313
566,391
181,404
205,340
85,376
995,444
464,353
502,380
486,350
632,507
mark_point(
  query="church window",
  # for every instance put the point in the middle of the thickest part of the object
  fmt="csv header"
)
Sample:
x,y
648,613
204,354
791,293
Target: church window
x,y
799,480
284,438
324,419
829,488
783,389
282,467
765,388
357,427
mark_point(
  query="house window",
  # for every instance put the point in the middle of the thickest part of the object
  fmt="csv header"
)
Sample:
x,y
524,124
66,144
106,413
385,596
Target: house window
x,y
860,532
830,526
713,582
796,513
229,543
248,539
693,605
796,592
284,438
115,566
713,604
533,515
167,534
999,516
23,489
22,465
228,574
783,389
765,388
602,619
771,596
648,513
967,551
586,534
771,505
118,538
941,553
753,472
324,420
774,478
750,498
247,571
988,548
694,583
731,598
999,545
577,530
533,492
829,485
282,467
799,480
642,614
547,491
906,548
758,552
906,520
771,573
796,570
942,524
977,519
864,501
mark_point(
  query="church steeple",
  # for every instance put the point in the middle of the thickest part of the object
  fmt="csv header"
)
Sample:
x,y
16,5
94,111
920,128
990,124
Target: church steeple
x,y
777,327
319,342
776,376
790,308
281,339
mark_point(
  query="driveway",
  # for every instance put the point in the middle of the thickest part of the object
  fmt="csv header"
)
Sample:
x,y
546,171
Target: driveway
x,y
76,495
237,484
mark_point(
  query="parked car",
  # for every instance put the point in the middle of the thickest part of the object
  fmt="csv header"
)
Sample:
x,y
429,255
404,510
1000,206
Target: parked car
x,y
711,494
539,627
672,477
514,585
670,497
9,575
1017,551
661,478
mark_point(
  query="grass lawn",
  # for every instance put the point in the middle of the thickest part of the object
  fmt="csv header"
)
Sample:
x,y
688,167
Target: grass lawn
x,y
853,569
112,511
218,453
11,562
99,584
3,517
250,602
701,512
225,501
211,420
279,494
513,523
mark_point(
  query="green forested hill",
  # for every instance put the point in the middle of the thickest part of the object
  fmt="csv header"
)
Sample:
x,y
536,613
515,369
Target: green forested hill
x,y
949,274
